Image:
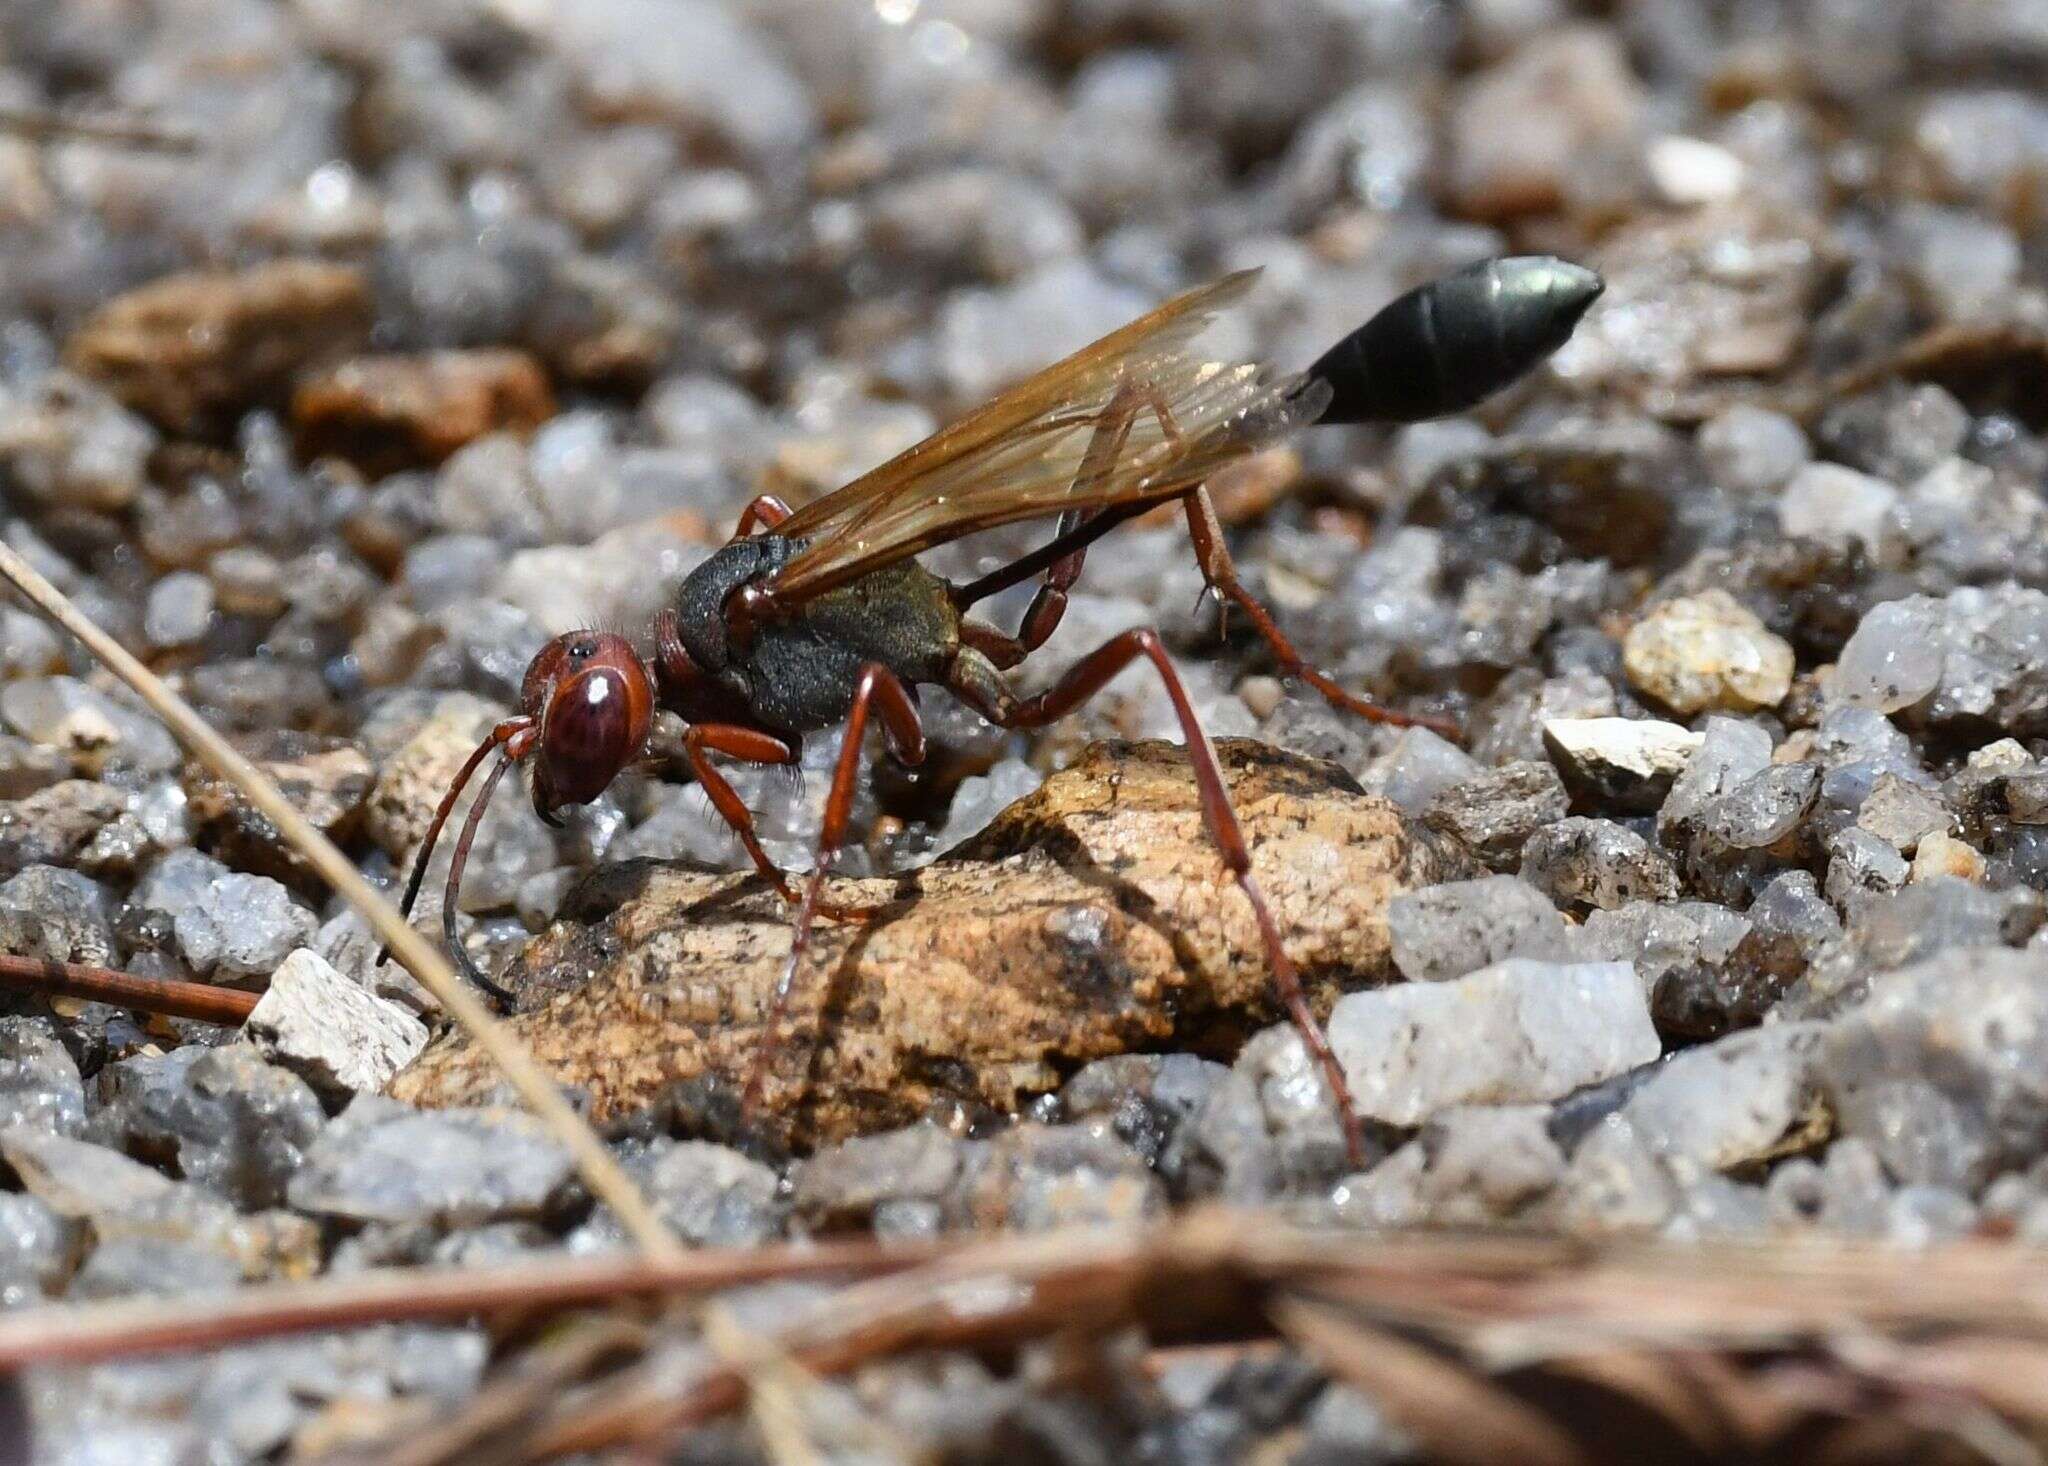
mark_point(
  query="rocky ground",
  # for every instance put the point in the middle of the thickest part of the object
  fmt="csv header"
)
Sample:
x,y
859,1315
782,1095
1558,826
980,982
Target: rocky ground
x,y
463,322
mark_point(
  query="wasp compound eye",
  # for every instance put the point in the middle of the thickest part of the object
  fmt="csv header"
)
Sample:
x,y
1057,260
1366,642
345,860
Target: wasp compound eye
x,y
1454,342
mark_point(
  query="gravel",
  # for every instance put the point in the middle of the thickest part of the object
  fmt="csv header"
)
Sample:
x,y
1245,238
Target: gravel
x,y
468,324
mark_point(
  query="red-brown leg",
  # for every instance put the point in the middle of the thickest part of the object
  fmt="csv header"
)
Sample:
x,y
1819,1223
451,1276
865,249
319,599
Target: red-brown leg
x,y
766,509
1213,555
882,689
1088,677
755,747
1098,461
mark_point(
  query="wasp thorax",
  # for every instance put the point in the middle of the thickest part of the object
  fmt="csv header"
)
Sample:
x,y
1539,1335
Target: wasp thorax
x,y
592,695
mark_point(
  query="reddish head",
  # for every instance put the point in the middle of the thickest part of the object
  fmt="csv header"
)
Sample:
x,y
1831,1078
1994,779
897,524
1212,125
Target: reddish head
x,y
591,697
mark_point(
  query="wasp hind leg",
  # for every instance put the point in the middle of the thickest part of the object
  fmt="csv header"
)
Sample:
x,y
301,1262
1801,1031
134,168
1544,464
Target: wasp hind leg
x,y
978,683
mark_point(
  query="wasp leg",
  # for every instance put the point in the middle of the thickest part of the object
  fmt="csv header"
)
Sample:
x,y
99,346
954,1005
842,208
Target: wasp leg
x,y
1217,569
767,510
880,688
1098,461
755,747
974,682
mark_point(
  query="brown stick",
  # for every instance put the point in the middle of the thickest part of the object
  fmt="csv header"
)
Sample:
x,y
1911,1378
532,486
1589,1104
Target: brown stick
x,y
93,1332
167,995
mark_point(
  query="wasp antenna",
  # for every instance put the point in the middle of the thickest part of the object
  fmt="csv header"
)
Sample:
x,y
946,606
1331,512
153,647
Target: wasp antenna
x,y
456,864
502,734
1454,342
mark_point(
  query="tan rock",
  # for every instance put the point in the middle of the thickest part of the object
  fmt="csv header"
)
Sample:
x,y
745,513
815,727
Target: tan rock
x,y
192,350
327,779
389,411
1707,653
1091,918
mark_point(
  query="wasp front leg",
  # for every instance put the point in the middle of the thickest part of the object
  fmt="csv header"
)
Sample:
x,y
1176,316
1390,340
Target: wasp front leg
x,y
879,688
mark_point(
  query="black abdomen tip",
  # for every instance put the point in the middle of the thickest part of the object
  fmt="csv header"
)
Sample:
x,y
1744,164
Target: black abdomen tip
x,y
1449,344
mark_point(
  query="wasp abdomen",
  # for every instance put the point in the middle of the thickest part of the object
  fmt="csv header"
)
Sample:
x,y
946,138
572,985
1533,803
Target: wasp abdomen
x,y
1449,344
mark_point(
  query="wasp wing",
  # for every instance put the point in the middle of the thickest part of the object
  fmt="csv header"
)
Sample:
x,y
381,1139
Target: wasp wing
x,y
1018,456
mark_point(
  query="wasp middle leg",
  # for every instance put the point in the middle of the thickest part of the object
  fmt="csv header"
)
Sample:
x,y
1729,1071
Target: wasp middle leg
x,y
883,690
983,688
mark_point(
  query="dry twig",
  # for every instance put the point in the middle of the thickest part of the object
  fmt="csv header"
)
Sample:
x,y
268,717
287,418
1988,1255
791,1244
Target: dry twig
x,y
201,1000
600,1172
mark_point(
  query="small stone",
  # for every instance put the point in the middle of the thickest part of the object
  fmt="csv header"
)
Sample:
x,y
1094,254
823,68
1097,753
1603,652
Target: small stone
x,y
52,825
95,730
1685,953
1942,855
411,781
1033,1178
65,442
222,1117
334,1034
1763,809
709,1196
1419,766
1860,865
1705,653
389,411
26,768
328,780
1751,450
162,1225
1894,658
179,611
381,1161
1467,1167
192,350
1591,862
36,1251
1446,931
242,926
1517,1032
1623,763
1941,1069
1494,814
39,1083
1827,501
1689,172
1730,1102
1730,752
990,338
1902,813
843,1184
74,912
1518,129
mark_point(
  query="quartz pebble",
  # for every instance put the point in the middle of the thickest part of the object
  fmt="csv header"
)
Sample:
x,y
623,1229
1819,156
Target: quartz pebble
x,y
1494,813
1448,930
339,1037
382,1161
1591,862
241,926
1707,653
1621,763
1516,1032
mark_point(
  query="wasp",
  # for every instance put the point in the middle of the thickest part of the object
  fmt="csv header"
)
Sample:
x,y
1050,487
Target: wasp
x,y
823,616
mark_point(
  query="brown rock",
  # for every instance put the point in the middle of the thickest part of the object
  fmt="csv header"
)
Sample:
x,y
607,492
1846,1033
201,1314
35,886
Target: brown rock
x,y
1518,128
51,825
387,412
327,780
192,350
1091,918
